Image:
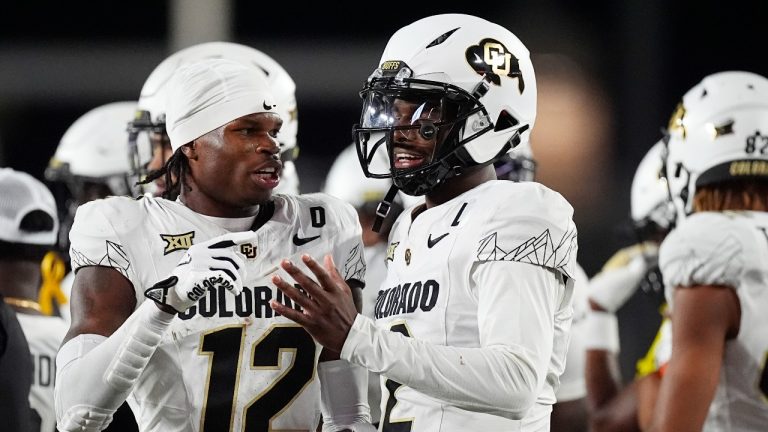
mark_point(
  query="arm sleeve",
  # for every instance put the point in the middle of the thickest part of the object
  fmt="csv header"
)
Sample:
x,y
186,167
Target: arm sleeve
x,y
95,374
505,374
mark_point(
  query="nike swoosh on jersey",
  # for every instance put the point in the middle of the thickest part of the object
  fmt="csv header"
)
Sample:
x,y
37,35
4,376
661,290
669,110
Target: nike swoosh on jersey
x,y
298,241
433,241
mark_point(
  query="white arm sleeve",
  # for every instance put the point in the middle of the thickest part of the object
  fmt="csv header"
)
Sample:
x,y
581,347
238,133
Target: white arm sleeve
x,y
96,374
516,306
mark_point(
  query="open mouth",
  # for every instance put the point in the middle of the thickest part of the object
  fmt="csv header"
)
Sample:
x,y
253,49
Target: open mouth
x,y
267,177
406,159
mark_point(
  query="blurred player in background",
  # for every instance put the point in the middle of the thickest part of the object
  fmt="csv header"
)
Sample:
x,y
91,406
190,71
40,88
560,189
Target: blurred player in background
x,y
149,119
28,231
614,407
714,262
91,162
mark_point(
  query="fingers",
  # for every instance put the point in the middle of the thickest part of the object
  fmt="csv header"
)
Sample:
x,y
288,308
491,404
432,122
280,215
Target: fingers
x,y
290,313
333,272
309,285
322,275
294,294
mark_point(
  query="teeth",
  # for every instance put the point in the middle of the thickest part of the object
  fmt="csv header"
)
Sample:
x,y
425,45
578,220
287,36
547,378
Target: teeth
x,y
406,156
267,170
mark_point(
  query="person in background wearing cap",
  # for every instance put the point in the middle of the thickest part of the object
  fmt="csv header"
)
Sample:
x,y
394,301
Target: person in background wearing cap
x,y
207,352
24,241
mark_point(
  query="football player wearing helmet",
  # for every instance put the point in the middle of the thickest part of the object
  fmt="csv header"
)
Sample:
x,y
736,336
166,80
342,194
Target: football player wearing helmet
x,y
28,229
472,321
151,112
612,406
714,261
170,306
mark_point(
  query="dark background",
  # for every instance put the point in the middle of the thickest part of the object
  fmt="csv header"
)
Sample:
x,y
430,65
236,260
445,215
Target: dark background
x,y
59,60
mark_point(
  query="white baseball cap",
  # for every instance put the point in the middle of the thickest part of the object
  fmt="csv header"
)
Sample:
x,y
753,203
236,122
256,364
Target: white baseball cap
x,y
21,195
205,95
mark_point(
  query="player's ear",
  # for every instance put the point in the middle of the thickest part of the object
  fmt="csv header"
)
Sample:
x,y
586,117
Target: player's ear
x,y
189,150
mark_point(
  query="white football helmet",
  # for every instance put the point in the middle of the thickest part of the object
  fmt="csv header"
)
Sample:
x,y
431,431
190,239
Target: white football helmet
x,y
94,149
650,203
150,115
472,88
718,132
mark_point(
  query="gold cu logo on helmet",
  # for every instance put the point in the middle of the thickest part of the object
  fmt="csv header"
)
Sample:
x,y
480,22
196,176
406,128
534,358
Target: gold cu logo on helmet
x,y
248,250
491,59
174,242
495,55
676,124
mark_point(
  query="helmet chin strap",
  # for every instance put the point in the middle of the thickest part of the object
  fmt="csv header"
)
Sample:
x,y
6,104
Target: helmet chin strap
x,y
384,207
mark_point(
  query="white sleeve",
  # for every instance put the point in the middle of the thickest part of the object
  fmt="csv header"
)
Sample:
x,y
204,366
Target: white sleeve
x,y
95,374
706,249
505,375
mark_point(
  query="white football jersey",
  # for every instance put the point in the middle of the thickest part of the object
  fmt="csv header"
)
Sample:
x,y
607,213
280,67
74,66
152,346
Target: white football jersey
x,y
730,249
228,363
572,382
431,292
44,335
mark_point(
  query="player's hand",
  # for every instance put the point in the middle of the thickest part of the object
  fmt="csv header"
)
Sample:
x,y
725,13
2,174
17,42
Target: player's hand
x,y
328,309
612,287
211,264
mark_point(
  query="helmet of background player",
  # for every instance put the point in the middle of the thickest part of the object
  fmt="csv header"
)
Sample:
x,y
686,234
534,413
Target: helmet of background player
x,y
718,132
92,160
517,165
468,85
151,110
653,214
93,152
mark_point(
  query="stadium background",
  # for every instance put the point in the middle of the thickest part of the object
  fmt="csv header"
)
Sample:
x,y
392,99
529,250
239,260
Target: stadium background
x,y
609,75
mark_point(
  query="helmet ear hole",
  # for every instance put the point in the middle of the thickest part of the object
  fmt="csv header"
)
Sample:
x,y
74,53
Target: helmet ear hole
x,y
505,121
427,130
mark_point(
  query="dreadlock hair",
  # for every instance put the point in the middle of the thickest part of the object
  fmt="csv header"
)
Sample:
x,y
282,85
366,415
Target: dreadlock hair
x,y
175,171
742,194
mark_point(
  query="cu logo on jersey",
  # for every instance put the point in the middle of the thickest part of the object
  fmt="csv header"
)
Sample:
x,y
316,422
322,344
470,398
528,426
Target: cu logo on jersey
x,y
174,242
248,250
492,59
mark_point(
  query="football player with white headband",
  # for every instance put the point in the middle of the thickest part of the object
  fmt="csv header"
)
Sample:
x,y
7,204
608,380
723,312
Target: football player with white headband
x,y
170,308
149,120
